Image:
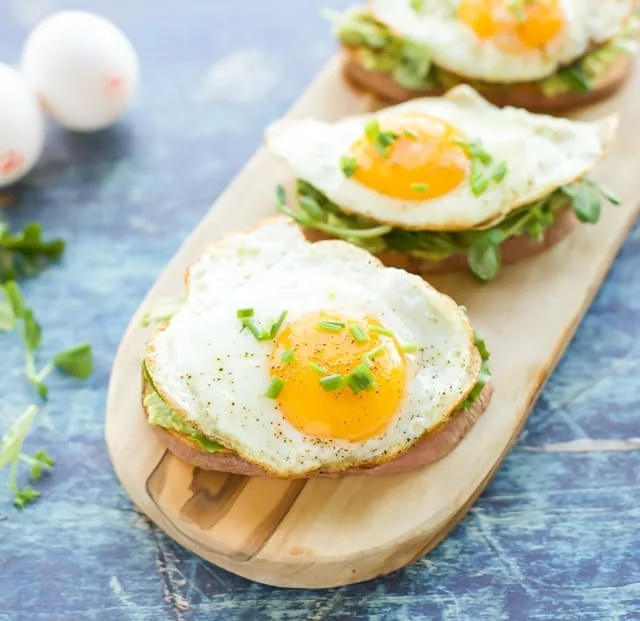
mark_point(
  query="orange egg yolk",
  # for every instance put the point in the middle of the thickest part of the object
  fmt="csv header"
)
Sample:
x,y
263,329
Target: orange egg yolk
x,y
339,414
422,163
514,25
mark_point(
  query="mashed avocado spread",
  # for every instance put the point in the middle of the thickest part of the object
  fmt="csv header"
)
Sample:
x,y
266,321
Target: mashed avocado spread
x,y
161,415
409,63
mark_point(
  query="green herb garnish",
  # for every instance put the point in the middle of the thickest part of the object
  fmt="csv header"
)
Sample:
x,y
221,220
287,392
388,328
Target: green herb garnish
x,y
410,134
380,330
361,378
348,165
26,253
329,325
483,169
318,369
358,333
410,349
515,6
267,334
245,313
18,317
419,187
374,353
275,388
11,455
287,356
332,382
417,5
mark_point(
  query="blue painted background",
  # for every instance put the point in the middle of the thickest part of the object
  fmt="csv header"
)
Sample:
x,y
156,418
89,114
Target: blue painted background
x,y
556,534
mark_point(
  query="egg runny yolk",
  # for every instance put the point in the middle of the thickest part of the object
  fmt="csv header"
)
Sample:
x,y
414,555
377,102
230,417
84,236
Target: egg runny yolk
x,y
338,414
422,163
514,25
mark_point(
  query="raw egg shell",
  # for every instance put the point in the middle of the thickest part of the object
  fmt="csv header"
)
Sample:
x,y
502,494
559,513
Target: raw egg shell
x,y
83,68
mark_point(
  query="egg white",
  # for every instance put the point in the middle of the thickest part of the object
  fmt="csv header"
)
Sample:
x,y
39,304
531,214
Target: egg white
x,y
542,153
456,47
215,375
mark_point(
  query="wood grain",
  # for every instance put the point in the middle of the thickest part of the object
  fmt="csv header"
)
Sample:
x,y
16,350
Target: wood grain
x,y
324,533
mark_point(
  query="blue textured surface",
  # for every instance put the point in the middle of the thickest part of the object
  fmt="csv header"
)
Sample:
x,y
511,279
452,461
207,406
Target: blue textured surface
x,y
555,536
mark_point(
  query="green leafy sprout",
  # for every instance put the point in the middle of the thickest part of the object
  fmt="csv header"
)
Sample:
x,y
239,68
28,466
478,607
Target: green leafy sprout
x,y
480,246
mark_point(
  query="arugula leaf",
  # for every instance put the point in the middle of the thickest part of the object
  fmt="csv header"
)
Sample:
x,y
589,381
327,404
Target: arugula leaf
x,y
76,361
8,319
484,257
14,437
16,315
585,201
26,253
25,496
40,462
11,455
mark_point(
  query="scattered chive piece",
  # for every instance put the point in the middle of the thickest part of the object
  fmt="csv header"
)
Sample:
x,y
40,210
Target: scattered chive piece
x,y
330,326
348,165
310,206
287,356
419,187
251,326
359,334
318,369
244,313
499,172
281,195
410,134
332,382
417,5
276,326
384,141
410,349
372,129
361,378
380,330
275,387
376,351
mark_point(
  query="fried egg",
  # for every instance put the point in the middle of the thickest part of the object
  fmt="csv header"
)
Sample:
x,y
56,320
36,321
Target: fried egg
x,y
505,40
320,312
457,162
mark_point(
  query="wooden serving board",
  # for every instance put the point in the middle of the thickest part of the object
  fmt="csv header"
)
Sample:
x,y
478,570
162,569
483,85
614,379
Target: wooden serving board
x,y
328,532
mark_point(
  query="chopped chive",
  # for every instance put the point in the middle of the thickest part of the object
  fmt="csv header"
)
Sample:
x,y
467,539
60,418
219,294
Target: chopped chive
x,y
380,330
499,172
419,187
287,356
330,326
372,129
410,134
477,151
358,333
251,326
361,378
276,326
479,182
281,195
384,141
417,5
376,351
318,369
244,313
332,382
275,388
348,165
410,349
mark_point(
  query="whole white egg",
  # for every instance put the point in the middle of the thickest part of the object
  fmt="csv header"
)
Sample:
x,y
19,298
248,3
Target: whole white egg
x,y
83,68
21,127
